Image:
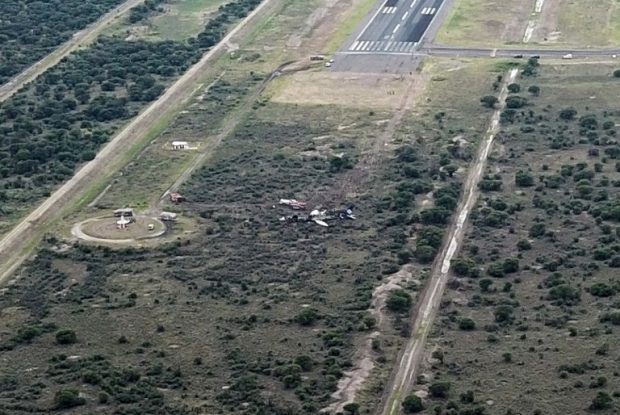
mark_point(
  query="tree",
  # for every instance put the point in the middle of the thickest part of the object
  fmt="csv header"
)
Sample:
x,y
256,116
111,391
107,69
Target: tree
x,y
485,284
412,404
467,324
602,290
398,301
307,317
523,179
568,114
489,101
425,253
601,401
514,88
515,102
66,337
68,398
534,90
537,230
617,73
439,389
352,408
503,314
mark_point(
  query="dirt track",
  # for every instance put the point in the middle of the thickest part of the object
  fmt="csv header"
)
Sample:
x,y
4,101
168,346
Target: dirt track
x,y
17,244
81,38
402,380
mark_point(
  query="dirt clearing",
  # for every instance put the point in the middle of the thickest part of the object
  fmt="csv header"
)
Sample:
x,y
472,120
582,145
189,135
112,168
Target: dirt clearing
x,y
343,89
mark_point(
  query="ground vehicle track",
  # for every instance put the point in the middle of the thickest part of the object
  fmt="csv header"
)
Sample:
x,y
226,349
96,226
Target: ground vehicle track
x,y
16,245
411,355
80,38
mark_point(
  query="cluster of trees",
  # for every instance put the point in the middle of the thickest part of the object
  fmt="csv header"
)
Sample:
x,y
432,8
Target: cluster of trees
x,y
63,118
144,10
32,29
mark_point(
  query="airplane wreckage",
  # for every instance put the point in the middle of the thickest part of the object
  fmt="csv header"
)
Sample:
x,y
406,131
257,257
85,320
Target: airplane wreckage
x,y
320,217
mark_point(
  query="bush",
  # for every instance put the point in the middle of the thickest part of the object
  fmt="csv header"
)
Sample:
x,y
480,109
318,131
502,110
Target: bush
x,y
503,314
398,301
537,230
510,265
66,337
439,389
352,408
524,245
412,404
534,90
601,401
515,102
68,398
467,324
425,254
602,290
617,73
463,266
307,317
524,179
514,88
489,101
568,114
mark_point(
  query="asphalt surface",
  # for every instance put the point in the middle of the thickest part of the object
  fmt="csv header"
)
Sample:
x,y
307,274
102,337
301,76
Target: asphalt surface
x,y
397,26
452,51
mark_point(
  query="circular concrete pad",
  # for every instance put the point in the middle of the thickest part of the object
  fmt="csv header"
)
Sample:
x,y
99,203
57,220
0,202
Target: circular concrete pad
x,y
106,230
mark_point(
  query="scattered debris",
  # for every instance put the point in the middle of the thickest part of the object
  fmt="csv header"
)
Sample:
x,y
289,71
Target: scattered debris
x,y
176,198
293,204
320,217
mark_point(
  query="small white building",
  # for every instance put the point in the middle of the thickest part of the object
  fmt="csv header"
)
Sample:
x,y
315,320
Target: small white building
x,y
180,145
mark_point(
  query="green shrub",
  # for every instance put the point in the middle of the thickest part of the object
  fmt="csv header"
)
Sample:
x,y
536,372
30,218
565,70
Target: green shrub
x,y
412,404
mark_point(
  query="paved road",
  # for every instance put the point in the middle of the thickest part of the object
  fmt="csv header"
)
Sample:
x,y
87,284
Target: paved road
x,y
441,50
405,371
397,26
81,38
17,244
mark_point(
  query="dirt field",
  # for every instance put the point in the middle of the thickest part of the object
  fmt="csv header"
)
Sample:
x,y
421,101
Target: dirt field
x,y
485,22
577,18
362,91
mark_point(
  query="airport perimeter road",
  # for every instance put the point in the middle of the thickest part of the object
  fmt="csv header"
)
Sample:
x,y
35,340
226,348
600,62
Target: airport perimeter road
x,y
453,51
423,318
397,26
23,238
81,38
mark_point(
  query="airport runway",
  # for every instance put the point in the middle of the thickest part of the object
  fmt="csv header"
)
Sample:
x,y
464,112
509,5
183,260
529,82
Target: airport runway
x,y
398,26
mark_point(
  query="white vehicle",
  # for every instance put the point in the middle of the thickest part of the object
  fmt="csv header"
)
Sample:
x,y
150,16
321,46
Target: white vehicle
x,y
328,64
568,56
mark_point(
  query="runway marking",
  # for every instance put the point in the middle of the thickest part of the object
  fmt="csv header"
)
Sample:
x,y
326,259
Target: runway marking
x,y
413,3
389,10
396,28
354,45
405,15
428,11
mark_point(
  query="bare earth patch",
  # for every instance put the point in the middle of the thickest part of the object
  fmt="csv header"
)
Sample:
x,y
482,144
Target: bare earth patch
x,y
344,89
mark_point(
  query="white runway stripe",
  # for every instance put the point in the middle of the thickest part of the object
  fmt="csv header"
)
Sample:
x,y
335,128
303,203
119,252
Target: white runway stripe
x,y
428,11
389,10
354,45
405,15
396,28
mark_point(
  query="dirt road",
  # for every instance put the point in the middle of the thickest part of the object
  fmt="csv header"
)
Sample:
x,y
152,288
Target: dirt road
x,y
402,379
81,38
17,244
